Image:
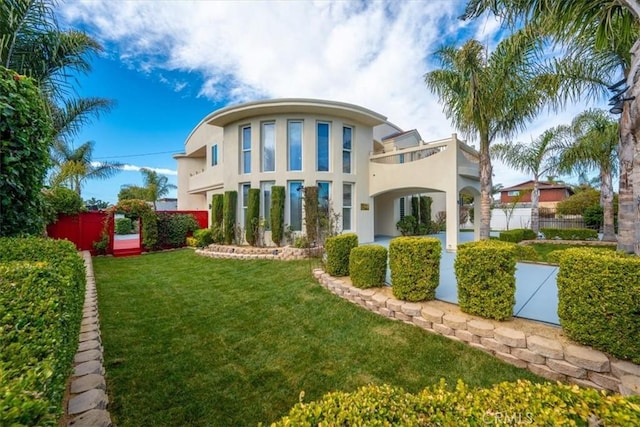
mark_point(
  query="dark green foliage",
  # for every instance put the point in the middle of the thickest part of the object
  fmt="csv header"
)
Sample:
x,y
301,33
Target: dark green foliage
x,y
407,225
517,235
277,214
204,237
415,267
230,205
593,217
485,272
173,229
61,201
338,249
520,402
569,233
217,209
368,266
252,220
599,300
526,253
421,210
42,283
25,134
311,213
123,225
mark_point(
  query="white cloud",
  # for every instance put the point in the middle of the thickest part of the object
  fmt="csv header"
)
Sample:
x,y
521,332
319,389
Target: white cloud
x,y
135,168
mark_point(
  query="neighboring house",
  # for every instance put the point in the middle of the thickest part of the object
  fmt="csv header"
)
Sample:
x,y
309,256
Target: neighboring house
x,y
167,204
551,193
364,166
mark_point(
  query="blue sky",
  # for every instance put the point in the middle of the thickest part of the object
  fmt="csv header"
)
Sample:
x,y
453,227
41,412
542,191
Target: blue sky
x,y
169,63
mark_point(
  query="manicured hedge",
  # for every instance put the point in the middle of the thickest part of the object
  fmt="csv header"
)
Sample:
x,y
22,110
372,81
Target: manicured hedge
x,y
526,253
42,283
485,272
368,266
517,403
415,267
517,235
569,233
311,213
217,209
123,226
203,237
276,214
599,300
252,221
229,216
338,249
173,229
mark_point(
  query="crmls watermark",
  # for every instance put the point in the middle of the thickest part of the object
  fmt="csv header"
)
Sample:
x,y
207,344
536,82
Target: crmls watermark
x,y
507,418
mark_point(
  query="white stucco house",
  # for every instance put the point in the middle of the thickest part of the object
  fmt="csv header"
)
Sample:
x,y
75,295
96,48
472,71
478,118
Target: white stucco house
x,y
364,165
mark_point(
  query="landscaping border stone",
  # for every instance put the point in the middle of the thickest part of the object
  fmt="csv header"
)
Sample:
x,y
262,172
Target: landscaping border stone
x,y
285,253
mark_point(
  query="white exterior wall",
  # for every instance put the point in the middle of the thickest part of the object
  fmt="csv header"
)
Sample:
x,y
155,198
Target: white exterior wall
x,y
521,218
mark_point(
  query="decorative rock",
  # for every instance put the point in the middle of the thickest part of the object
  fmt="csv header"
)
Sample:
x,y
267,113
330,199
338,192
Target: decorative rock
x,y
584,383
528,355
606,381
88,345
87,382
510,337
442,329
621,368
465,336
91,367
630,385
566,368
370,305
366,294
480,328
380,300
401,316
494,345
89,336
89,321
90,399
511,360
85,356
411,309
92,327
432,314
394,305
92,418
545,372
481,347
385,312
587,358
422,322
545,347
454,322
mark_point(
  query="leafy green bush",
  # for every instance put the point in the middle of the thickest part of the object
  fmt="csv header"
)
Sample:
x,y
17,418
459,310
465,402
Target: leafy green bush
x,y
570,233
301,242
520,403
123,226
593,217
230,204
415,267
61,201
408,225
203,237
599,300
338,249
252,219
421,210
25,134
42,284
517,235
311,213
526,253
217,209
276,213
485,272
368,266
173,229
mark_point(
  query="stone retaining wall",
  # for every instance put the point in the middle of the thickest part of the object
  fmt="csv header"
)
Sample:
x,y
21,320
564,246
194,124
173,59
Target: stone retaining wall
x,y
250,252
545,357
88,400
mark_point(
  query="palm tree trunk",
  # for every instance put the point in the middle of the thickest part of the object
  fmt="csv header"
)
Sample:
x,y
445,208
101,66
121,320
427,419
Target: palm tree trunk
x,y
485,190
626,208
629,145
535,211
606,192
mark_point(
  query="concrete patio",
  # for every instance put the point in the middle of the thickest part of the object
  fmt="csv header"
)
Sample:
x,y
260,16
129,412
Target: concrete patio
x,y
536,290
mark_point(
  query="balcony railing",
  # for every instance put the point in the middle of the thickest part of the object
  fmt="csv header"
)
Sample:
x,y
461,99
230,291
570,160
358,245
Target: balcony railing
x,y
407,155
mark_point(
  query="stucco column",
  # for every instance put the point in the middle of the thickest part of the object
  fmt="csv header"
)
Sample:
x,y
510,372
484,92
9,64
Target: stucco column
x,y
451,201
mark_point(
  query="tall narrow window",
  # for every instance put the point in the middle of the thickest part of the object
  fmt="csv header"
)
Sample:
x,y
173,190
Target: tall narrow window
x,y
245,165
294,145
324,193
244,191
347,204
268,147
265,202
322,137
347,134
295,205
214,154
402,208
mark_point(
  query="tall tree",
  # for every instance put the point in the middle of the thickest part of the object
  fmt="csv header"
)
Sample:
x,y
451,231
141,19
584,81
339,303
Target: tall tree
x,y
606,34
592,145
537,158
157,185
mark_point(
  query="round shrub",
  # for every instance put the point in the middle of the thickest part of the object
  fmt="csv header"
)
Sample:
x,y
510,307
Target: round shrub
x,y
203,237
338,250
415,267
61,201
368,266
526,253
515,403
123,226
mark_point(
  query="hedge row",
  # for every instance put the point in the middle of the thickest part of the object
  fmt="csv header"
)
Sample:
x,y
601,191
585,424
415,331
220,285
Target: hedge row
x,y
517,403
599,300
338,249
368,266
415,267
42,283
569,233
517,235
173,229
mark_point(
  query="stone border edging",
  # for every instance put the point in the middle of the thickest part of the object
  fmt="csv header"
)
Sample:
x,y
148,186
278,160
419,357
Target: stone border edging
x,y
87,405
545,357
249,252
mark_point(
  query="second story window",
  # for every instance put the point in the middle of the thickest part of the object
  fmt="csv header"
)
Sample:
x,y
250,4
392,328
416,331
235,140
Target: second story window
x,y
322,147
268,147
214,155
294,145
245,158
347,134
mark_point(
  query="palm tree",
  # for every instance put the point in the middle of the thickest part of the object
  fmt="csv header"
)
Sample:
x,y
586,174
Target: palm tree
x,y
157,185
538,158
592,144
73,166
606,34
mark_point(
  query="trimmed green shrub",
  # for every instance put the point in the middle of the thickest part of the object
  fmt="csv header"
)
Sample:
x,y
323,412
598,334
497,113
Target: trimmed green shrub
x,y
570,233
61,201
174,228
338,249
25,134
311,213
42,283
415,267
485,272
421,211
599,300
252,220
517,235
276,213
515,403
230,205
123,225
408,225
203,237
526,253
217,209
368,266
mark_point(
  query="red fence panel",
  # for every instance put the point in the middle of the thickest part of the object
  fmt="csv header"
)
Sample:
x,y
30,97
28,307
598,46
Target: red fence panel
x,y
82,229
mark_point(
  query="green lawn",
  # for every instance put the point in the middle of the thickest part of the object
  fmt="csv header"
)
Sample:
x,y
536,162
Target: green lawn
x,y
196,341
544,249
